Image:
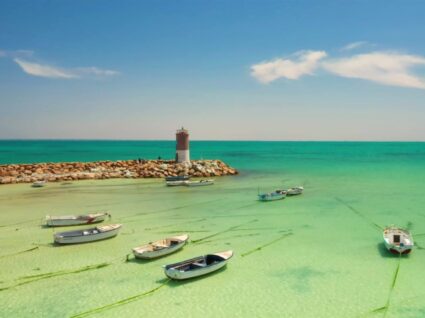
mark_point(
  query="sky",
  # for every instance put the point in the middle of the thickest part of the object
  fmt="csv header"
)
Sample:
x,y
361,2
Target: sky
x,y
226,70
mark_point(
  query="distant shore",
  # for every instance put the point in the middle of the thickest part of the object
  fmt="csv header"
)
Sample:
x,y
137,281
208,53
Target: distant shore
x,y
69,171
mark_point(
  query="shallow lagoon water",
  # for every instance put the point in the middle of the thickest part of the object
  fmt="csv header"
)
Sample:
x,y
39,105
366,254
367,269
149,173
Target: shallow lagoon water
x,y
315,255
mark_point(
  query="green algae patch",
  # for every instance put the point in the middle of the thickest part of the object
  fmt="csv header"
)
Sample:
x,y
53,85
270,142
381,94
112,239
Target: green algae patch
x,y
120,302
259,248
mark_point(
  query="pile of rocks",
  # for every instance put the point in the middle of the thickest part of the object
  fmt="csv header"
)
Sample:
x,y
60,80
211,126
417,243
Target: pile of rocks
x,y
68,171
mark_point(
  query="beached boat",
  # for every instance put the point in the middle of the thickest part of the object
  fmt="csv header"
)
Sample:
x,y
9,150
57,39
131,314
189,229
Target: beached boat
x,y
39,184
87,235
197,266
398,240
176,183
294,191
199,183
67,220
177,178
272,196
161,247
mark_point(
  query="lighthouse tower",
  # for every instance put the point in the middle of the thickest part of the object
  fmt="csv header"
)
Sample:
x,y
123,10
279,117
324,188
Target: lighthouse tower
x,y
182,145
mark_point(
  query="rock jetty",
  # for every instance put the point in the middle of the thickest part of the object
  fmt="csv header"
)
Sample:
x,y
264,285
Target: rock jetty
x,y
69,171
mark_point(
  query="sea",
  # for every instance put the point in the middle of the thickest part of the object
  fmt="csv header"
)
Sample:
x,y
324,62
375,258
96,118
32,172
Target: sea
x,y
320,254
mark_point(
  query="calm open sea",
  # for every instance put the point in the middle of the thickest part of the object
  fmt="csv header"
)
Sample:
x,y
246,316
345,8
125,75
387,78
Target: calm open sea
x,y
316,255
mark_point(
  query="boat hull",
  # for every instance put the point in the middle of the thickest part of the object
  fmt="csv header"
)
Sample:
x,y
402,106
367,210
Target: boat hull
x,y
176,183
271,197
199,183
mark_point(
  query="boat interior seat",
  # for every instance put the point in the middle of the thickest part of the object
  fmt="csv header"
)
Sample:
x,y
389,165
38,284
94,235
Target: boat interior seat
x,y
198,265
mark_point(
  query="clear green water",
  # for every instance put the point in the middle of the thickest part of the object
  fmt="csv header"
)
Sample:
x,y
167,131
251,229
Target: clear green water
x,y
332,265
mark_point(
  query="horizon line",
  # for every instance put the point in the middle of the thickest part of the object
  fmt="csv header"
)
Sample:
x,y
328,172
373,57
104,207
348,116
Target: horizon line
x,y
209,140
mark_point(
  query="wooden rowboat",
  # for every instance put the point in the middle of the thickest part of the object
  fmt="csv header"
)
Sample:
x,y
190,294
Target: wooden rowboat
x,y
398,240
177,178
87,235
161,247
67,220
197,266
199,183
272,196
294,191
176,183
39,184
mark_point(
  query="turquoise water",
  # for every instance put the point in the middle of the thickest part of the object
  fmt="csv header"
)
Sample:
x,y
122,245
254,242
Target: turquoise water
x,y
316,255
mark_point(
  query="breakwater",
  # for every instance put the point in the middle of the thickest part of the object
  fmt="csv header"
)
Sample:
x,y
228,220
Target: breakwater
x,y
69,171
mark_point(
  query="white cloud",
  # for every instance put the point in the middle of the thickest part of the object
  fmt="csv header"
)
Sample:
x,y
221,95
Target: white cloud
x,y
40,70
44,70
353,45
305,64
386,68
16,53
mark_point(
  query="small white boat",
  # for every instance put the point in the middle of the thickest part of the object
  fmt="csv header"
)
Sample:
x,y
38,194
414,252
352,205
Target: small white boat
x,y
294,191
175,183
199,183
272,196
197,266
67,220
161,247
398,240
39,184
177,178
87,235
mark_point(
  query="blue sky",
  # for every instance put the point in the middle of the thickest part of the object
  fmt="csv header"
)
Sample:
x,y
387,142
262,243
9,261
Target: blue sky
x,y
256,70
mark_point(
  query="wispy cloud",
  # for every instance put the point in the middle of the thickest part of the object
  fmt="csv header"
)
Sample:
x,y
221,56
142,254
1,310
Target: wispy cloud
x,y
353,45
305,64
386,68
16,53
48,71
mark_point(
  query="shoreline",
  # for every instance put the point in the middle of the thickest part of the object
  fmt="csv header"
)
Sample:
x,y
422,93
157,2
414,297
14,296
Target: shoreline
x,y
98,170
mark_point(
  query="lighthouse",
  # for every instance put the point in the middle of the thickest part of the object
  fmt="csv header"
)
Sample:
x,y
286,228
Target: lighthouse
x,y
182,145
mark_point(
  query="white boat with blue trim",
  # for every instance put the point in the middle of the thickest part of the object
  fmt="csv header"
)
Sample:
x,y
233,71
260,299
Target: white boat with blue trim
x,y
272,196
161,247
68,220
198,266
87,235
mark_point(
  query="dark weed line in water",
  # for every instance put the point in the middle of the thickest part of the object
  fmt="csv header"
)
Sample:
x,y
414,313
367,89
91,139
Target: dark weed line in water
x,y
224,231
229,237
387,304
265,245
173,224
120,303
33,278
167,210
18,223
360,214
21,252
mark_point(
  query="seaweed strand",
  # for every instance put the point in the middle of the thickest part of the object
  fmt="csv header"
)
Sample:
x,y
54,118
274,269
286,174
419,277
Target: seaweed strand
x,y
21,252
259,248
358,213
120,302
221,232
